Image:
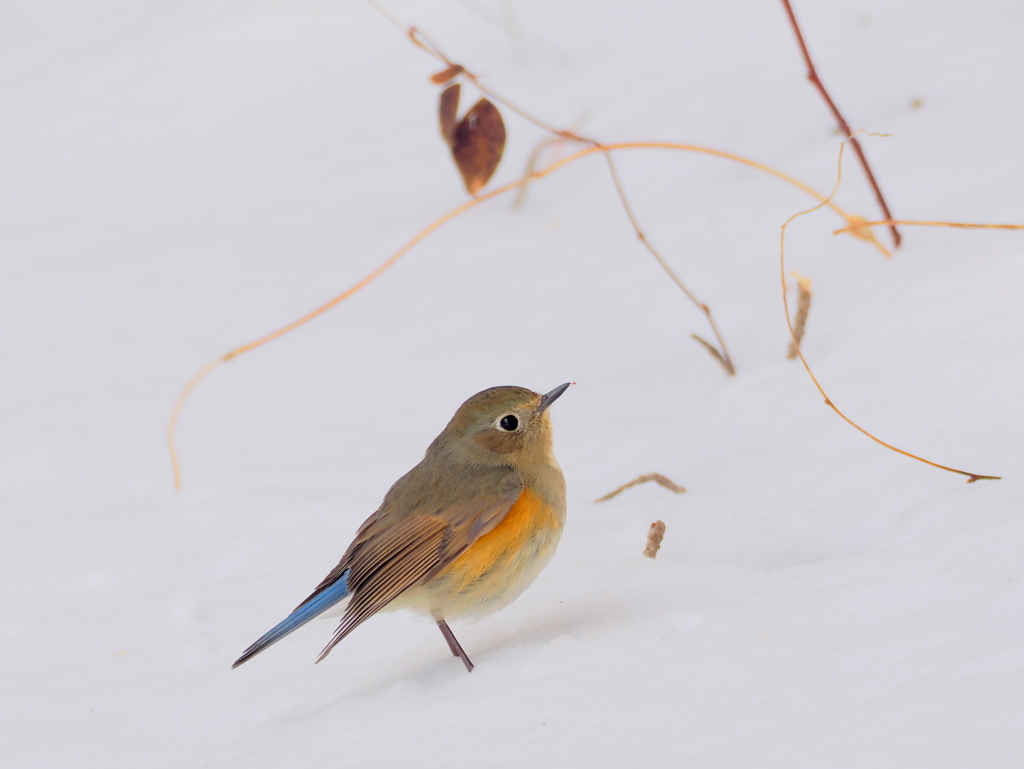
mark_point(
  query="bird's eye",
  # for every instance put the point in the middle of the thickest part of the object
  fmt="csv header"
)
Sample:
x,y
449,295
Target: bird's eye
x,y
508,423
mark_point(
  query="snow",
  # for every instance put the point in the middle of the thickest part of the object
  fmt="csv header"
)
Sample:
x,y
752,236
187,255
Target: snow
x,y
179,178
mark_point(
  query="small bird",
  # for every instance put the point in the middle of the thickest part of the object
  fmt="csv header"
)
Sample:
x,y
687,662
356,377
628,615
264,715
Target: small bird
x,y
462,534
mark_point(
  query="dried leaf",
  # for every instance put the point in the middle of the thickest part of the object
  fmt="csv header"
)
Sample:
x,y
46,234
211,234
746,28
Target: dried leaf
x,y
859,228
654,537
711,349
803,306
477,145
442,77
448,108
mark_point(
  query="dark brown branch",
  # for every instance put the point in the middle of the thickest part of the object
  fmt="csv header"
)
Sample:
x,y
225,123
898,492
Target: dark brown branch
x,y
812,75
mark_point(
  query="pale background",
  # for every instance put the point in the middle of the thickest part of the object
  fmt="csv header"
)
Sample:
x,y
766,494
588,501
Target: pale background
x,y
178,178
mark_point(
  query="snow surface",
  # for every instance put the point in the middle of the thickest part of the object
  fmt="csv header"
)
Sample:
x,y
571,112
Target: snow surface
x,y
179,178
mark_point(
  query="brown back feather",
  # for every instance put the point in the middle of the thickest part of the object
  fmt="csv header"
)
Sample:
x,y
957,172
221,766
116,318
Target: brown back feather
x,y
402,545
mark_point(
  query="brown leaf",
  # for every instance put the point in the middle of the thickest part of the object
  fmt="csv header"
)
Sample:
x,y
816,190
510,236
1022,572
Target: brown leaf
x,y
448,108
477,145
654,537
442,77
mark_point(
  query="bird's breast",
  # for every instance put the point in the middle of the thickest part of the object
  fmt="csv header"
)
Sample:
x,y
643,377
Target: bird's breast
x,y
502,563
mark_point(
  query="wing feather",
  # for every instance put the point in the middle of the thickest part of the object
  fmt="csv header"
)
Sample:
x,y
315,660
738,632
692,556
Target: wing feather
x,y
390,568
400,546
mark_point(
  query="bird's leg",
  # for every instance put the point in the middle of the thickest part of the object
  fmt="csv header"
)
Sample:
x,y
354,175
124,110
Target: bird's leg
x,y
454,645
449,636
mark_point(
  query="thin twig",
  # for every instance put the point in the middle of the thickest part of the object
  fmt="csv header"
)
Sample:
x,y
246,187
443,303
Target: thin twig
x,y
550,142
812,75
531,167
658,478
860,225
725,359
971,477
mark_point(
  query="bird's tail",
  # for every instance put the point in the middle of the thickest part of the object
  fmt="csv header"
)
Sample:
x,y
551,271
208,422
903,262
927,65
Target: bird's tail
x,y
309,609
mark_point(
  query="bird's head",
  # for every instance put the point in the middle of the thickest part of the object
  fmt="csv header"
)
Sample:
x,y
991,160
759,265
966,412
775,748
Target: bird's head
x,y
502,424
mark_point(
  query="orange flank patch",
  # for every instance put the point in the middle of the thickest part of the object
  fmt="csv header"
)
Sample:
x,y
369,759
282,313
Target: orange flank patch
x,y
492,558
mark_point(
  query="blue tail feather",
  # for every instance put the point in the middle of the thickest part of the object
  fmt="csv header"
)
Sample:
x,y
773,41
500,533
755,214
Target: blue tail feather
x,y
308,610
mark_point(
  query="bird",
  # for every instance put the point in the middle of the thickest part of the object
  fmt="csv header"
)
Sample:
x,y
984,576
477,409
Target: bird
x,y
462,534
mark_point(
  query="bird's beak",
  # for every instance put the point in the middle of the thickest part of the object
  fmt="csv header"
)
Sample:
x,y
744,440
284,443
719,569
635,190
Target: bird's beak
x,y
548,398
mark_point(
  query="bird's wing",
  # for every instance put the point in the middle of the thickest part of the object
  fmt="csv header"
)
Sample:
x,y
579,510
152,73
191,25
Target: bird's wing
x,y
392,553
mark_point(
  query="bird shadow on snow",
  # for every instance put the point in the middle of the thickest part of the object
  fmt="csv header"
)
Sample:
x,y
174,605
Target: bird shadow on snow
x,y
555,623
442,667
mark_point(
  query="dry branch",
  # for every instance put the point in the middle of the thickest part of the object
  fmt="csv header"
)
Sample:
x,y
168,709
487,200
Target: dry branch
x,y
423,42
856,225
812,75
533,163
658,478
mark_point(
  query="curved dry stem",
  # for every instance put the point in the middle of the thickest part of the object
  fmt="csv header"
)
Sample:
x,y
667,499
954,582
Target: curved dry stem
x,y
311,315
853,221
173,423
436,224
531,167
421,40
971,477
444,219
534,160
